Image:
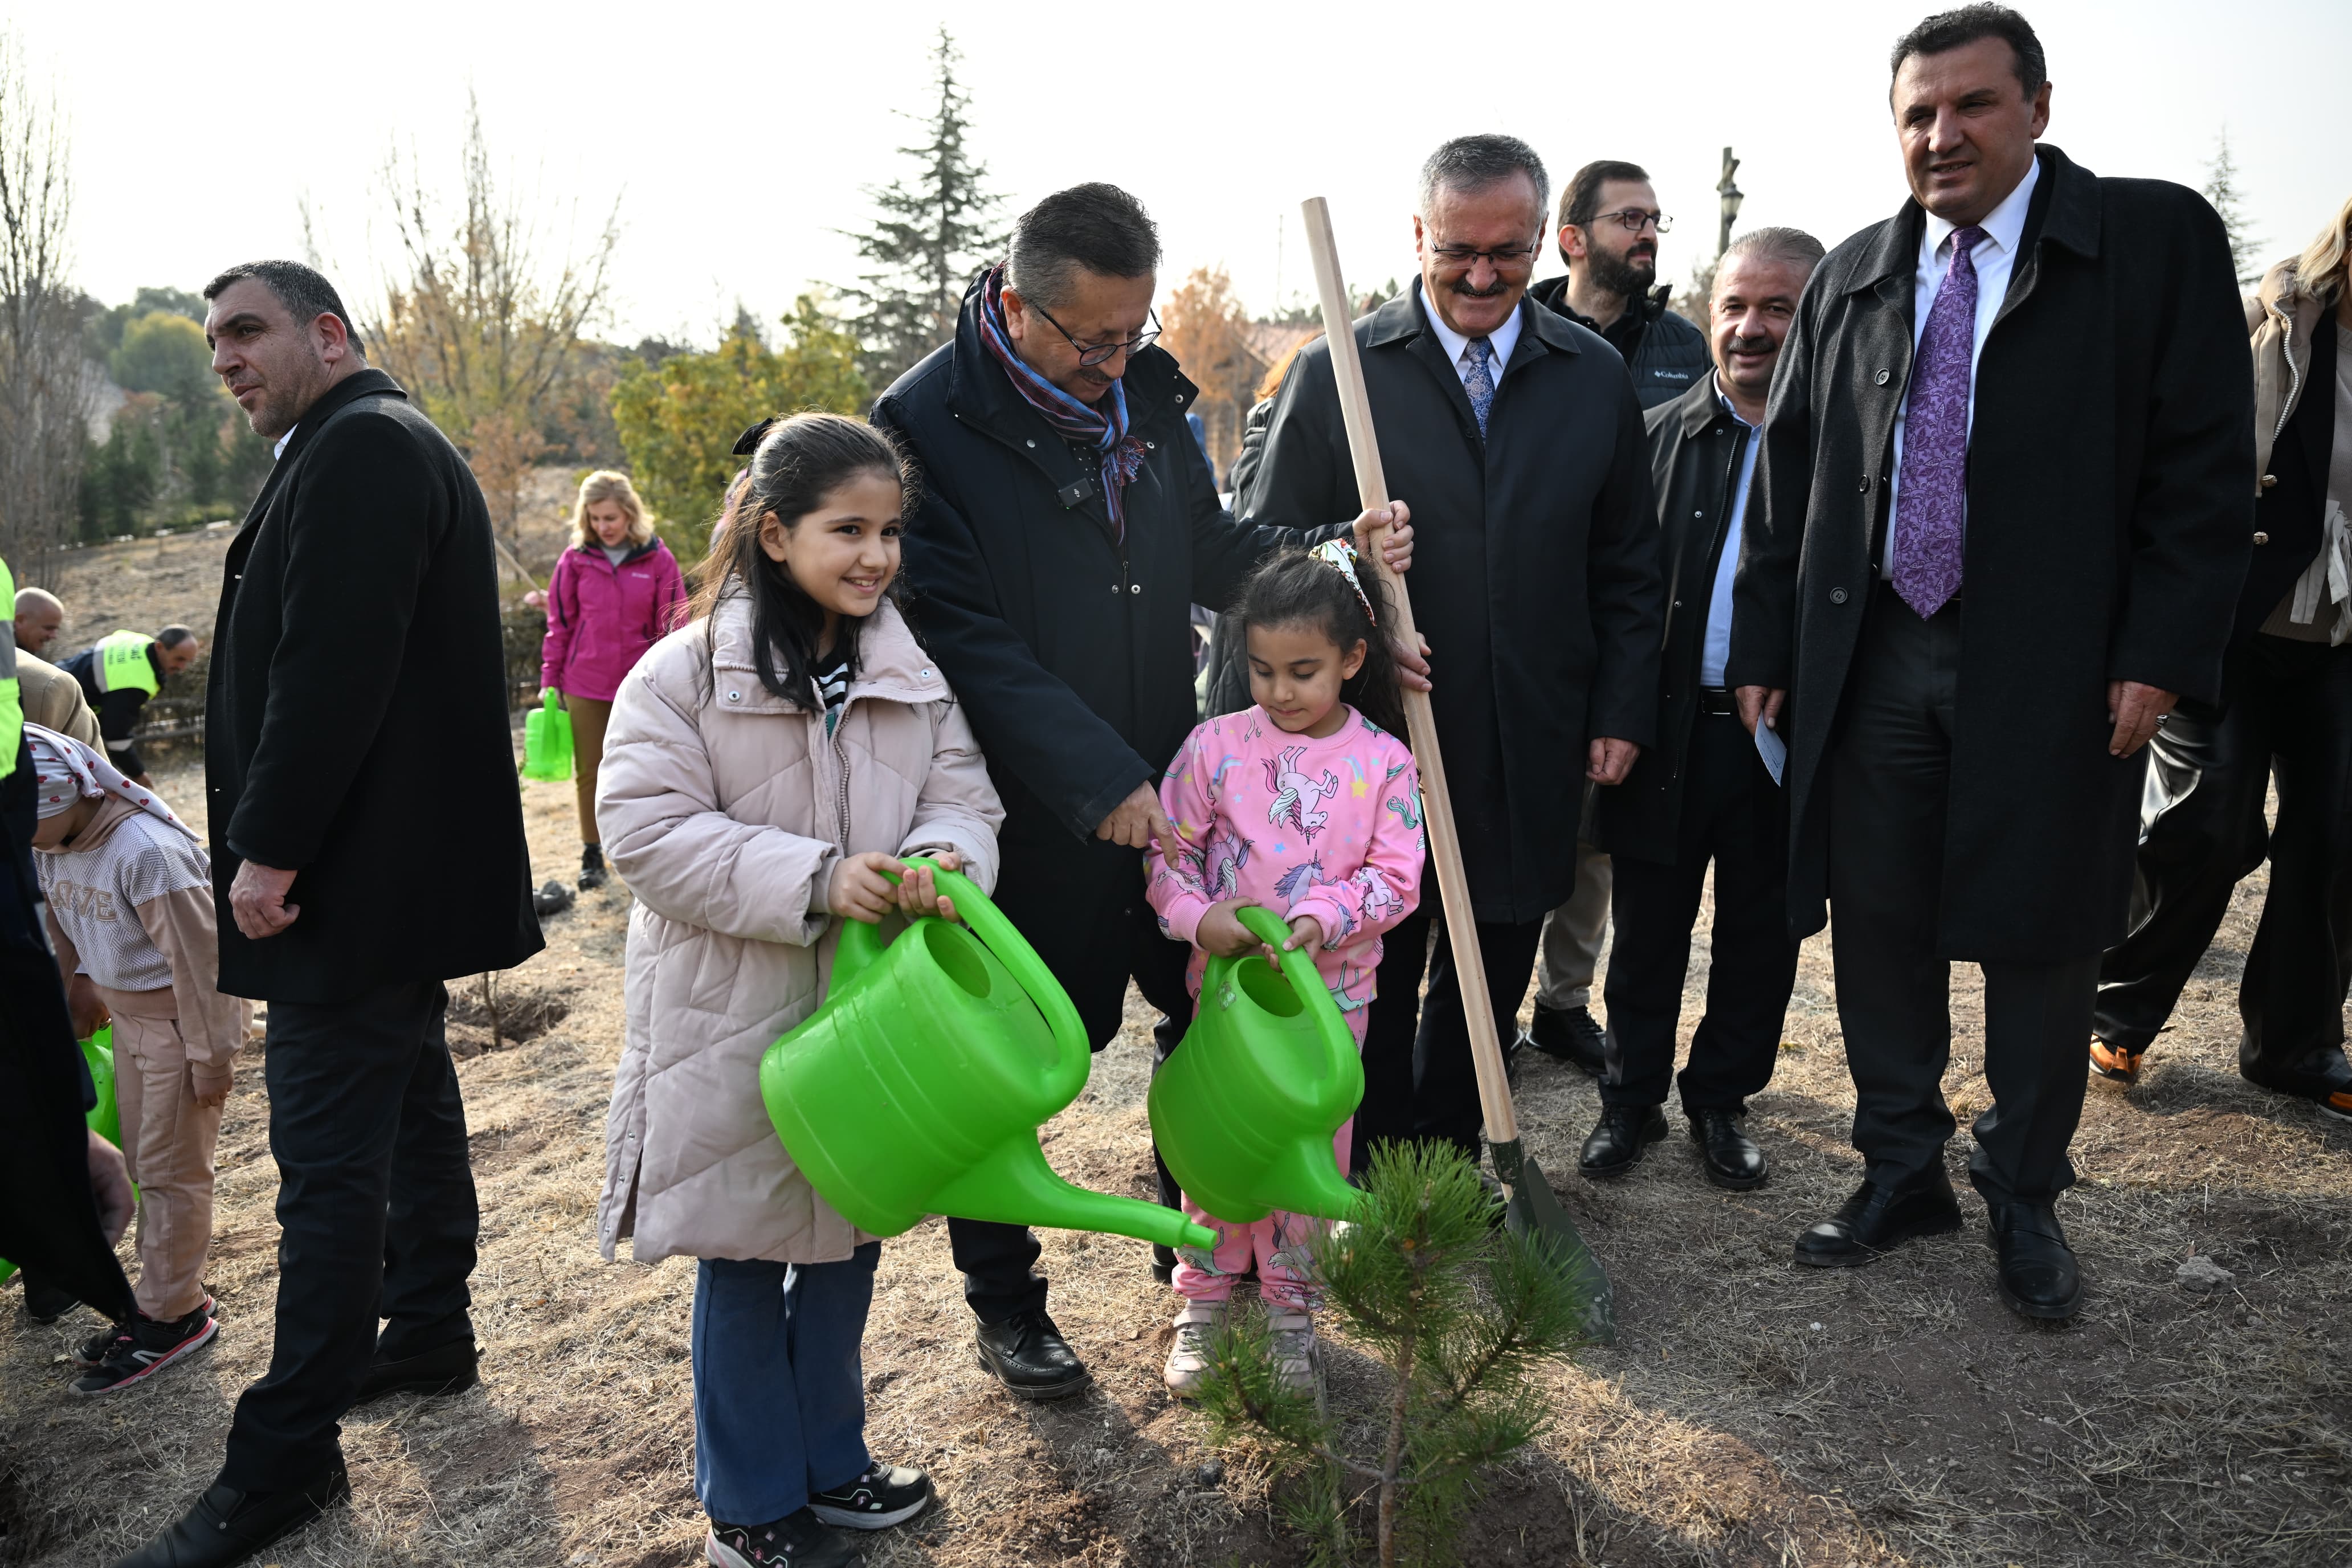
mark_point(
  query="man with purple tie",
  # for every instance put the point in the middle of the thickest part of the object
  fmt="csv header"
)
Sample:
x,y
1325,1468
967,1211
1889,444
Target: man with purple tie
x,y
2005,512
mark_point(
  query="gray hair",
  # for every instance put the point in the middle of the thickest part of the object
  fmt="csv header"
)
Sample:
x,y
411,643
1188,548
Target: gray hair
x,y
1096,226
1793,246
1470,163
306,294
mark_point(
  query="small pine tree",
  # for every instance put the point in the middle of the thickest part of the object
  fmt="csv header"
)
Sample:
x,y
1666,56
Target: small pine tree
x,y
2222,190
930,233
1462,1315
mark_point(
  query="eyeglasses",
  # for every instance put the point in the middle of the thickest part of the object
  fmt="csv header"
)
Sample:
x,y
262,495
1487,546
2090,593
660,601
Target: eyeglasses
x,y
1635,220
1502,258
1091,355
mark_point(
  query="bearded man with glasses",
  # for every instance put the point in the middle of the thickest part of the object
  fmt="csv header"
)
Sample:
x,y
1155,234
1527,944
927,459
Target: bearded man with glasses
x,y
1517,438
1066,528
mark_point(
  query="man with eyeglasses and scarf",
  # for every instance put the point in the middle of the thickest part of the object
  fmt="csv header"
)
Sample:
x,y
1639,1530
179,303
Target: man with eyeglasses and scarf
x,y
1516,436
1610,225
1066,526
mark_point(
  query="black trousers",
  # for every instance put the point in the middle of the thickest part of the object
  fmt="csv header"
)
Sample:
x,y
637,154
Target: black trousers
x,y
376,1217
1418,1078
1889,779
1732,814
1092,949
2202,830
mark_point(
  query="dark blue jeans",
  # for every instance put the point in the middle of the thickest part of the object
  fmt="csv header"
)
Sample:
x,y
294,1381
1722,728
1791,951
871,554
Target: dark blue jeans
x,y
779,1391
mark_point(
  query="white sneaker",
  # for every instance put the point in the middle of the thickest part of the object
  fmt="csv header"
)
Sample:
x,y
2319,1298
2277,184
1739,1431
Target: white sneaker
x,y
1188,1358
1297,1356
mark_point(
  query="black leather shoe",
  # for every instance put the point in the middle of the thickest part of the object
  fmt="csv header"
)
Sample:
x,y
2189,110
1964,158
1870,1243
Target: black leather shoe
x,y
1571,1035
45,1302
1878,1219
2039,1276
444,1369
1618,1138
2321,1077
1029,1358
228,1526
1731,1157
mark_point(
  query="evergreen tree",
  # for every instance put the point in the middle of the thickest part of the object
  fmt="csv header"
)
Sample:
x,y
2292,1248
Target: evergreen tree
x,y
2222,190
931,232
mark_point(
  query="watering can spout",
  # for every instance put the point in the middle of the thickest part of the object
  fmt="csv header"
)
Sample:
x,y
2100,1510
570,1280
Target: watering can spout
x,y
1014,1183
1308,1178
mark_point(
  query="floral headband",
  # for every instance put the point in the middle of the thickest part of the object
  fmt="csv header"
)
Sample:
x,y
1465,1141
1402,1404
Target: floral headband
x,y
1340,556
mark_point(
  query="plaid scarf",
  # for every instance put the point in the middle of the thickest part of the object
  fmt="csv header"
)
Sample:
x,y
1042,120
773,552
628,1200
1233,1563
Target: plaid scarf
x,y
1103,428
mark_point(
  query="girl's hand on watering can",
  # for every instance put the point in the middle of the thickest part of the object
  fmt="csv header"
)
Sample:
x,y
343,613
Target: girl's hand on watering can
x,y
1223,934
1306,936
859,891
918,893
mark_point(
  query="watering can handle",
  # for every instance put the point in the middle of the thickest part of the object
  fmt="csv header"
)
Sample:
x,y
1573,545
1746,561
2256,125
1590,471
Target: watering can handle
x,y
861,944
1303,977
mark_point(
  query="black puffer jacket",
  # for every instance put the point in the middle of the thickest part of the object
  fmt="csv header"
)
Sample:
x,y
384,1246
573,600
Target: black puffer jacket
x,y
1665,354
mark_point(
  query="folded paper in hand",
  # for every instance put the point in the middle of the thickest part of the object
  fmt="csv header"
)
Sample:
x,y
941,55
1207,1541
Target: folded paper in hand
x,y
1773,749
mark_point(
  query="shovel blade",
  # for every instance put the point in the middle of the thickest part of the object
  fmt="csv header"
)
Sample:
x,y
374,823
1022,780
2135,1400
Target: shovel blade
x,y
1534,1213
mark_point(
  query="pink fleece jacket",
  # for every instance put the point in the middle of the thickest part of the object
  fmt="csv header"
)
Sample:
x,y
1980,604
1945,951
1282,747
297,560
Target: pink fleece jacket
x,y
1329,829
600,619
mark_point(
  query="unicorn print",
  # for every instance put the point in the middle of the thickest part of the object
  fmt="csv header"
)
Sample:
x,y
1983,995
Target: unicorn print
x,y
1380,902
1228,852
1296,796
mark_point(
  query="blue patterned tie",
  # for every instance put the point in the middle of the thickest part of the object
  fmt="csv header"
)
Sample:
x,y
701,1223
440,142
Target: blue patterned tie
x,y
1931,508
1479,355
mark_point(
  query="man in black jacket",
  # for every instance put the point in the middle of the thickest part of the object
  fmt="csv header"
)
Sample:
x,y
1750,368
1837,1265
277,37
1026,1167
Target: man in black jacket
x,y
1701,793
1517,438
2005,516
1609,228
1067,525
367,844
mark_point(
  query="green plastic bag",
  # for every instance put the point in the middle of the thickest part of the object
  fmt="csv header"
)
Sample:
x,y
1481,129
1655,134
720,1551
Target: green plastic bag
x,y
547,739
105,1118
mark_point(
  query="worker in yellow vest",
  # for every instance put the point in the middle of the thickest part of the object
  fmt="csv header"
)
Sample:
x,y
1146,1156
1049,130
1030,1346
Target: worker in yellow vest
x,y
118,673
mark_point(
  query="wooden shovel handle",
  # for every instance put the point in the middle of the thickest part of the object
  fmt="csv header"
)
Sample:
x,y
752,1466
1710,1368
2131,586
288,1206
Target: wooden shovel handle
x,y
1421,723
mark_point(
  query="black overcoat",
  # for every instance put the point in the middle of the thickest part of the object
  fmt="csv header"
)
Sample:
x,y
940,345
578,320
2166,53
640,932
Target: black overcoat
x,y
1696,447
1535,574
1070,647
2109,505
356,716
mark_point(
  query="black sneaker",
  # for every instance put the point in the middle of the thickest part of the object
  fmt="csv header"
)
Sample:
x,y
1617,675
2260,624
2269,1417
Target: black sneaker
x,y
1571,1035
146,1349
92,1350
592,866
884,1496
796,1540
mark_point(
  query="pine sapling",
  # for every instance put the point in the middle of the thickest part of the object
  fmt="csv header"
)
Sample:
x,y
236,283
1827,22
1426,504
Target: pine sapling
x,y
1460,1312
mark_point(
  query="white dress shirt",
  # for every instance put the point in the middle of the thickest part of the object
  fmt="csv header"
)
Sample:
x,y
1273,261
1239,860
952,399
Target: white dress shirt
x,y
1501,340
1995,256
280,450
1717,650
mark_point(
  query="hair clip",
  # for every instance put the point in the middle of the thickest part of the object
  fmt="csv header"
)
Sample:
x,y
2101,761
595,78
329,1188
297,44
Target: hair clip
x,y
1340,556
749,442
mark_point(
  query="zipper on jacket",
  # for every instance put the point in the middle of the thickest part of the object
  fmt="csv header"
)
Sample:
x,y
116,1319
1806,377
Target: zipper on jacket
x,y
2293,381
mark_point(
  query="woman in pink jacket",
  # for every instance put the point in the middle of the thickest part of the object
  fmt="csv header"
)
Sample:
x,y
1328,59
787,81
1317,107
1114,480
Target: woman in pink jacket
x,y
616,593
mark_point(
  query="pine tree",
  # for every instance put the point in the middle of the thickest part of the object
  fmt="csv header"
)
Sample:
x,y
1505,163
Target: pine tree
x,y
931,232
2222,190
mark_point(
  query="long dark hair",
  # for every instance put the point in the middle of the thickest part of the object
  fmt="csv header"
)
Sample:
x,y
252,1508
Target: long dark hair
x,y
799,462
1348,605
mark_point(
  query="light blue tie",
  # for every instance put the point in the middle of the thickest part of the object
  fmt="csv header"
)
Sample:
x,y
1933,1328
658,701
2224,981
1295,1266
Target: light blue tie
x,y
1480,382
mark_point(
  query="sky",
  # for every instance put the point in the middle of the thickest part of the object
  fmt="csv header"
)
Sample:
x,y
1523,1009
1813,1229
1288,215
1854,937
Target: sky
x,y
738,140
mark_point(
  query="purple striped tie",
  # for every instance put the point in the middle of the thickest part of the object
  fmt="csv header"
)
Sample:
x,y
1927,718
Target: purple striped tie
x,y
1931,508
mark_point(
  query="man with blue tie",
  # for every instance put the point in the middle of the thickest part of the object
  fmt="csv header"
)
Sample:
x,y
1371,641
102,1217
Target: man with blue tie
x,y
2005,512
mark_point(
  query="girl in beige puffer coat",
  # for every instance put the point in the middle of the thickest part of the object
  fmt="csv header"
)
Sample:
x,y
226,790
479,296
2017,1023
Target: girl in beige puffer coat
x,y
765,765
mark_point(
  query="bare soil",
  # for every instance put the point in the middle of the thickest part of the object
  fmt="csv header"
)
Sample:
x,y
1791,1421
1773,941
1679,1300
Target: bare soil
x,y
1751,1413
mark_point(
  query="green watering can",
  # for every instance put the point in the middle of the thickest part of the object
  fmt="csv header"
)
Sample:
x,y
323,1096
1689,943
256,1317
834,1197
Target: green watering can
x,y
547,740
1245,1110
918,1086
105,1118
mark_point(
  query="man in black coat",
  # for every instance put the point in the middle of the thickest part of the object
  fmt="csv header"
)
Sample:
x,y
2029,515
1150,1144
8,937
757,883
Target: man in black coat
x,y
2005,517
1066,526
1702,794
1516,438
367,844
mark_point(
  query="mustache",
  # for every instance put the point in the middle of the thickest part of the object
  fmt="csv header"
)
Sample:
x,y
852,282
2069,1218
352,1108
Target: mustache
x,y
1462,286
1756,345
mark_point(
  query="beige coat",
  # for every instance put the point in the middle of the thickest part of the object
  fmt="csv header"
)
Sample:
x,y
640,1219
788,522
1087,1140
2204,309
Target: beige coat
x,y
2280,318
53,700
726,810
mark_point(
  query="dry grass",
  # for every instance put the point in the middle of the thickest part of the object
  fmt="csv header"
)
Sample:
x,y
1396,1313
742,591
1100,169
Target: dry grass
x,y
1752,1412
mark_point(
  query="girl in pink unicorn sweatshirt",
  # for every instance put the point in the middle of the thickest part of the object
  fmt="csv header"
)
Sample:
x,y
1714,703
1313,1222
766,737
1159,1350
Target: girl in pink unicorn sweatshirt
x,y
1304,805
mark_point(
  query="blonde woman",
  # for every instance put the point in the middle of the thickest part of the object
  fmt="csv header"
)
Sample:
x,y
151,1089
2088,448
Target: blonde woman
x,y
2286,695
615,592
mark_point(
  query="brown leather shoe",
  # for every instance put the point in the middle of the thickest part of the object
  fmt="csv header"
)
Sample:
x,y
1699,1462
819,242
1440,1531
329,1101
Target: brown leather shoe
x,y
2114,1061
